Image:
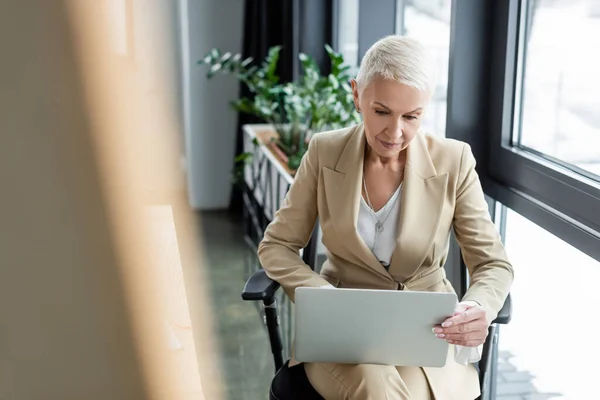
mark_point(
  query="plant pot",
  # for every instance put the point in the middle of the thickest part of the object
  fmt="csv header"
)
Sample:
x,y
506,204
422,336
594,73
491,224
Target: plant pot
x,y
267,136
280,155
267,176
267,179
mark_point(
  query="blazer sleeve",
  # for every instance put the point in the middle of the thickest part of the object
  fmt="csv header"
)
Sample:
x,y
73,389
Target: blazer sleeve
x,y
482,250
291,229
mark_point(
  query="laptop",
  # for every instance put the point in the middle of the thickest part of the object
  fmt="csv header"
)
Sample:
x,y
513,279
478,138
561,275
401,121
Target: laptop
x,y
362,326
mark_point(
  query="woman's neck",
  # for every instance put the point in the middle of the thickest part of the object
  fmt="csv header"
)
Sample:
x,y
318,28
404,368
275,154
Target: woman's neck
x,y
374,159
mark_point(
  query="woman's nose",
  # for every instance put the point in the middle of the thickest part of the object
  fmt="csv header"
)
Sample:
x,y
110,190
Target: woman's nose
x,y
395,131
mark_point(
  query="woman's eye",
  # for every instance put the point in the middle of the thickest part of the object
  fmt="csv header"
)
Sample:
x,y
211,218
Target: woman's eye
x,y
380,112
410,117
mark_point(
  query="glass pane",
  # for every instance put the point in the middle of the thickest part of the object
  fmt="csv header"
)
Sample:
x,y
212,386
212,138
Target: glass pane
x,y
348,31
561,101
429,22
549,347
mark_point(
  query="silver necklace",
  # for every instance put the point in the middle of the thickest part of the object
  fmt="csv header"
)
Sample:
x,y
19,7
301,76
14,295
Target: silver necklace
x,y
378,222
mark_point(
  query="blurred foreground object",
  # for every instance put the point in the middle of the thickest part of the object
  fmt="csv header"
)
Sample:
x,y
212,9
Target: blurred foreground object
x,y
84,155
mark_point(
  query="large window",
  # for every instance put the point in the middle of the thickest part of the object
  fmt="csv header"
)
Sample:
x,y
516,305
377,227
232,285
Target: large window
x,y
429,22
347,31
542,115
548,348
560,105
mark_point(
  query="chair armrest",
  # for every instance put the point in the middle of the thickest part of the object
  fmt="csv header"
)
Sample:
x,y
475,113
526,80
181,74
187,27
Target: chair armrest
x,y
259,287
504,316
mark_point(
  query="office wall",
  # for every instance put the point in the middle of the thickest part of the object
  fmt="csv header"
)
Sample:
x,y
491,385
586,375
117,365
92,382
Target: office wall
x,y
210,124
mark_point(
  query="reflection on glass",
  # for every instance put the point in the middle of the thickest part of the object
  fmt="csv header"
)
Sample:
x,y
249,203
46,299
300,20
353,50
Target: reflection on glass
x,y
348,31
549,347
561,102
429,22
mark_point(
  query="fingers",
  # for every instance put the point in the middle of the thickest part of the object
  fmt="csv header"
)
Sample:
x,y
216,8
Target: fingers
x,y
473,326
472,332
467,327
470,314
466,337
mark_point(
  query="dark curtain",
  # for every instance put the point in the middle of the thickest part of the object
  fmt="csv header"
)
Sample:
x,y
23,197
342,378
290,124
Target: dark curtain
x,y
267,23
297,26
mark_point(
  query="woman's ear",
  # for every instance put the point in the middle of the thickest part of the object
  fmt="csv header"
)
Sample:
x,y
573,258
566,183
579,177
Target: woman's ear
x,y
355,94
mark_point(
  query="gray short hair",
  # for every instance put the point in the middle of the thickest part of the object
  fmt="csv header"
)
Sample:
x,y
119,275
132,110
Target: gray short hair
x,y
397,58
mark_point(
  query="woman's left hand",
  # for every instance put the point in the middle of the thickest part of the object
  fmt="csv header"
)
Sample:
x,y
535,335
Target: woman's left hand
x,y
467,327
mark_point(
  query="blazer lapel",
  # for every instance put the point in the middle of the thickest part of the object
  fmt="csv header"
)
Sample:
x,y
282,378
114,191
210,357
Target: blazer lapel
x,y
343,191
423,197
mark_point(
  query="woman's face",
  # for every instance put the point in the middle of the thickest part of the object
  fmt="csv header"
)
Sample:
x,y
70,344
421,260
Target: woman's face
x,y
391,113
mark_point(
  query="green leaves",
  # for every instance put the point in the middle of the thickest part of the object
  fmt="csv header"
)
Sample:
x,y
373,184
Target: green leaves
x,y
270,64
244,157
294,161
225,63
237,174
244,105
296,109
333,81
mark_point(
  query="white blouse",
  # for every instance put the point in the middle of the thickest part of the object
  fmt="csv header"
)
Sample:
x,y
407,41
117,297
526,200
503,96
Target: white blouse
x,y
382,243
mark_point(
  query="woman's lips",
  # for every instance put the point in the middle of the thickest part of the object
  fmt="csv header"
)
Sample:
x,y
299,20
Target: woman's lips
x,y
388,145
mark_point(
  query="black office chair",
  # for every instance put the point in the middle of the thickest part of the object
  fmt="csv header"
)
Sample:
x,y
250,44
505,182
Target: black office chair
x,y
293,384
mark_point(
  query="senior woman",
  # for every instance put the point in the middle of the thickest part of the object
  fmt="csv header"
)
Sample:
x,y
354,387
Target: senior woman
x,y
387,196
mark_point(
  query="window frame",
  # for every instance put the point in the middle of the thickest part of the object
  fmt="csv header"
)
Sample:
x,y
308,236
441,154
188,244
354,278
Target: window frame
x,y
565,193
484,79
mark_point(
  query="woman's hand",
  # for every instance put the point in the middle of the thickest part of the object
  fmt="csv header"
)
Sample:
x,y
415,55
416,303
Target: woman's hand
x,y
467,327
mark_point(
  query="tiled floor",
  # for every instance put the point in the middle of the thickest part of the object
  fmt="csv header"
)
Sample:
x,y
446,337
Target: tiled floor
x,y
246,358
517,385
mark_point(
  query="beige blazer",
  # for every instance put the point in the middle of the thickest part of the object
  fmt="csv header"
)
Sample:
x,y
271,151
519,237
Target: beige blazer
x,y
441,191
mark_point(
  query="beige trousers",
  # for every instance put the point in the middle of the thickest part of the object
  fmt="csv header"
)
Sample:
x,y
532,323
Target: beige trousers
x,y
368,382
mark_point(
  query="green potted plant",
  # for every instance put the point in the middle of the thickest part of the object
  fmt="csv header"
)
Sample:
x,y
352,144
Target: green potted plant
x,y
314,103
